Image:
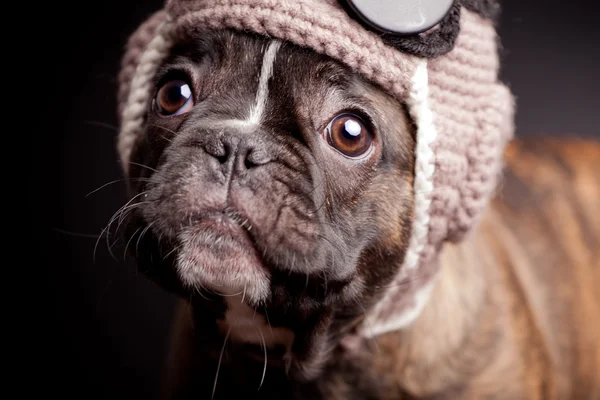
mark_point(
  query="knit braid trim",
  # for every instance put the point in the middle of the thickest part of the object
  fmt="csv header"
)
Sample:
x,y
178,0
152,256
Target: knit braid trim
x,y
464,116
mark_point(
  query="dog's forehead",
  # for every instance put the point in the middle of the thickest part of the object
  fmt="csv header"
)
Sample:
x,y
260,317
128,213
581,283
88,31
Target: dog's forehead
x,y
243,54
289,84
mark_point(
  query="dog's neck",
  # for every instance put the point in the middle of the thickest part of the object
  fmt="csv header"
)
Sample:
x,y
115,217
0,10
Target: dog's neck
x,y
456,337
475,337
459,337
459,328
479,324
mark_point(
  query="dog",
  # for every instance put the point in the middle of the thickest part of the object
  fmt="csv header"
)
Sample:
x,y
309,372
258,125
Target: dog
x,y
280,236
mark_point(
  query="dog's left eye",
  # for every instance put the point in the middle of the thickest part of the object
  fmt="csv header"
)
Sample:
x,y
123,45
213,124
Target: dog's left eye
x,y
174,98
348,134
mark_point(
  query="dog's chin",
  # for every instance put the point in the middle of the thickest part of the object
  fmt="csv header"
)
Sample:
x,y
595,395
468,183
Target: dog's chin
x,y
218,255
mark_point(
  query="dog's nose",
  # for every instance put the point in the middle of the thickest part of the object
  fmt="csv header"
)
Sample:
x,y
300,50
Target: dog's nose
x,y
244,153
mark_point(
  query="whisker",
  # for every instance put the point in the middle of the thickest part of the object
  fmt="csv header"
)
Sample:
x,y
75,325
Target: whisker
x,y
104,232
76,234
109,246
127,210
112,220
137,245
199,291
325,239
321,206
264,346
351,325
373,338
219,364
102,125
97,243
176,248
316,187
143,166
244,294
165,129
122,208
332,224
124,214
403,282
213,291
112,183
129,242
229,295
269,323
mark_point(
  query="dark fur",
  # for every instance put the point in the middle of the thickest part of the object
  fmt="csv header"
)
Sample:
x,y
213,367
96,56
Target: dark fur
x,y
308,206
514,315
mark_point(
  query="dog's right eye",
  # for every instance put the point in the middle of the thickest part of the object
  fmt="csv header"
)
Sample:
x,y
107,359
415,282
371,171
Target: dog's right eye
x,y
175,97
349,135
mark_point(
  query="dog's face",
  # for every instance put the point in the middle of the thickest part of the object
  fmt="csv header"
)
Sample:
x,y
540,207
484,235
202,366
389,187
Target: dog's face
x,y
274,174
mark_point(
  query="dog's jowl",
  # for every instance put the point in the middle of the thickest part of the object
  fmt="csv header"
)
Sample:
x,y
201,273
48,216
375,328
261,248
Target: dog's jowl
x,y
325,201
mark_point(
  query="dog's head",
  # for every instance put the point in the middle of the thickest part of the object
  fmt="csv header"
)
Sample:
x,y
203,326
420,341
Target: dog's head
x,y
274,173
277,185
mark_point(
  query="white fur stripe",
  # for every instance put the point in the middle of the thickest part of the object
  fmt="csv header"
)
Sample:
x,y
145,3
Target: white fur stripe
x,y
418,102
266,73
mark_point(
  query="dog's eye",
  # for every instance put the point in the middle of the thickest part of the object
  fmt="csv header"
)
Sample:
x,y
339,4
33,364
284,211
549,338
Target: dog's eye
x,y
174,98
349,135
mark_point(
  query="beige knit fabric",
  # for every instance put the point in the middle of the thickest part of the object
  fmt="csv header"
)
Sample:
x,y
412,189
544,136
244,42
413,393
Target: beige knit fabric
x,y
473,119
463,114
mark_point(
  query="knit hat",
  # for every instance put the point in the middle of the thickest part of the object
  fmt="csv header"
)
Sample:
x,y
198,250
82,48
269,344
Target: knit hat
x,y
448,78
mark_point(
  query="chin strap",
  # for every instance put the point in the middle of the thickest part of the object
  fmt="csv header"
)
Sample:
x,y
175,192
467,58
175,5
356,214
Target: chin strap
x,y
407,295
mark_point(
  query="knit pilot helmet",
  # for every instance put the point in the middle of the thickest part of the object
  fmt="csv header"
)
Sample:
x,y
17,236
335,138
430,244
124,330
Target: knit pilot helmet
x,y
447,76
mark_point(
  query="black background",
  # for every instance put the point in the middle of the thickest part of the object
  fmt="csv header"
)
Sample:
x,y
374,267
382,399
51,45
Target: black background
x,y
101,327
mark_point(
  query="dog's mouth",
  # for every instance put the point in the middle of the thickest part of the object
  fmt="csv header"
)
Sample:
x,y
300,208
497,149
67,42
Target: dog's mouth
x,y
218,253
269,315
225,227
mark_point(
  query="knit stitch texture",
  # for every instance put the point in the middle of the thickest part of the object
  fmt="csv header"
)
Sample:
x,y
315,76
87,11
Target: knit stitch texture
x,y
464,115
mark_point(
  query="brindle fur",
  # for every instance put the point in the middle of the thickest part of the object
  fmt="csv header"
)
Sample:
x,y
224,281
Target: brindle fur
x,y
516,310
343,211
514,313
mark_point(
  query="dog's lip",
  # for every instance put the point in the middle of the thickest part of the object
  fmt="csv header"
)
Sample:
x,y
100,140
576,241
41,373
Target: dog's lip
x,y
230,223
217,252
226,222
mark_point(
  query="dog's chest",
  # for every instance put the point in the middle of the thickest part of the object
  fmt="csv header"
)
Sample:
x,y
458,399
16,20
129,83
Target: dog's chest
x,y
243,325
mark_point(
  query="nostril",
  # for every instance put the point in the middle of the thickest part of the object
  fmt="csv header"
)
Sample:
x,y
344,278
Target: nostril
x,y
249,164
254,159
218,151
222,158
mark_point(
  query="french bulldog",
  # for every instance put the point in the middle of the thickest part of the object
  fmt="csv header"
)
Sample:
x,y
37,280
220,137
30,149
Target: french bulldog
x,y
273,193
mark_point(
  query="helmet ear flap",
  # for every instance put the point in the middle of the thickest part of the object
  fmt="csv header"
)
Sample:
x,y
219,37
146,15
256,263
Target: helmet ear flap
x,y
135,47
